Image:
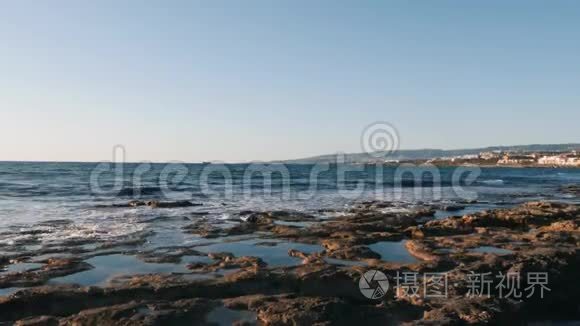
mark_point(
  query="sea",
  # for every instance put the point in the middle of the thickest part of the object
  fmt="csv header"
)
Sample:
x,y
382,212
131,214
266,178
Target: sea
x,y
88,198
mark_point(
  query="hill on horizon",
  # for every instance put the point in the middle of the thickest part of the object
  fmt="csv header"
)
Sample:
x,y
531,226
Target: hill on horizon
x,y
424,154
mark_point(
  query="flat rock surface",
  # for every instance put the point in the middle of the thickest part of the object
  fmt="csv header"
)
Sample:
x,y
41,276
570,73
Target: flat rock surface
x,y
315,276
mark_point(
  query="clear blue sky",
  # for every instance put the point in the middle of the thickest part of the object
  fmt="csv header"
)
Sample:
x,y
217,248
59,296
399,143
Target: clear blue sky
x,y
244,80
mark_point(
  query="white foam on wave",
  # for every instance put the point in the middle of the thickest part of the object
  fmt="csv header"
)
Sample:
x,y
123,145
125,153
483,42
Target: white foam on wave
x,y
493,182
388,210
84,230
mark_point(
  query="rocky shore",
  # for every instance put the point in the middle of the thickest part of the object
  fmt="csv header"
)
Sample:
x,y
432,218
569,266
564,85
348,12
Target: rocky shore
x,y
290,268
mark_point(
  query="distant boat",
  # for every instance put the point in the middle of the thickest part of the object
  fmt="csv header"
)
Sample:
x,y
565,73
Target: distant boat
x,y
205,162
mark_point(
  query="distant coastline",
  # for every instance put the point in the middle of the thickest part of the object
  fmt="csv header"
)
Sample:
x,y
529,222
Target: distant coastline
x,y
534,156
451,164
404,155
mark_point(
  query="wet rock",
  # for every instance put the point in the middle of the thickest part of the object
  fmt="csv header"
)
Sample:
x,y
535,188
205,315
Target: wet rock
x,y
269,217
170,204
562,226
139,191
290,216
452,208
419,250
307,258
342,250
144,313
196,214
204,229
256,218
464,310
571,189
136,203
529,215
226,260
35,232
38,321
53,268
288,309
543,237
301,311
45,300
152,204
133,240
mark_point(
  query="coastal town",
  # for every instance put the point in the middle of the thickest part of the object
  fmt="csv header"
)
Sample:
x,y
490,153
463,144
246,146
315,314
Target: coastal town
x,y
566,159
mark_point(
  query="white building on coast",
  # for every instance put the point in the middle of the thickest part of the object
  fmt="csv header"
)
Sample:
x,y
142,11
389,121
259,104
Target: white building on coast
x,y
560,160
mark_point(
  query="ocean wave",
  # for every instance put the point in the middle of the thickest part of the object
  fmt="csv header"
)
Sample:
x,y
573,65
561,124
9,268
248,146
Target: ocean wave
x,y
139,191
493,182
568,175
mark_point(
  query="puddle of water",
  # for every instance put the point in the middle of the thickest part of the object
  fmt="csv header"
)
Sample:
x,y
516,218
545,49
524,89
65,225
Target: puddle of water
x,y
492,250
225,317
8,291
196,259
20,267
110,266
343,262
393,251
272,255
32,247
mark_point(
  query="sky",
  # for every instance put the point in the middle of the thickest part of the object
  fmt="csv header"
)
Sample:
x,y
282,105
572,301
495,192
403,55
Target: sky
x,y
267,80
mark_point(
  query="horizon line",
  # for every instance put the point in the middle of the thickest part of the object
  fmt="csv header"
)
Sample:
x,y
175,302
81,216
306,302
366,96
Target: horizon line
x,y
282,160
